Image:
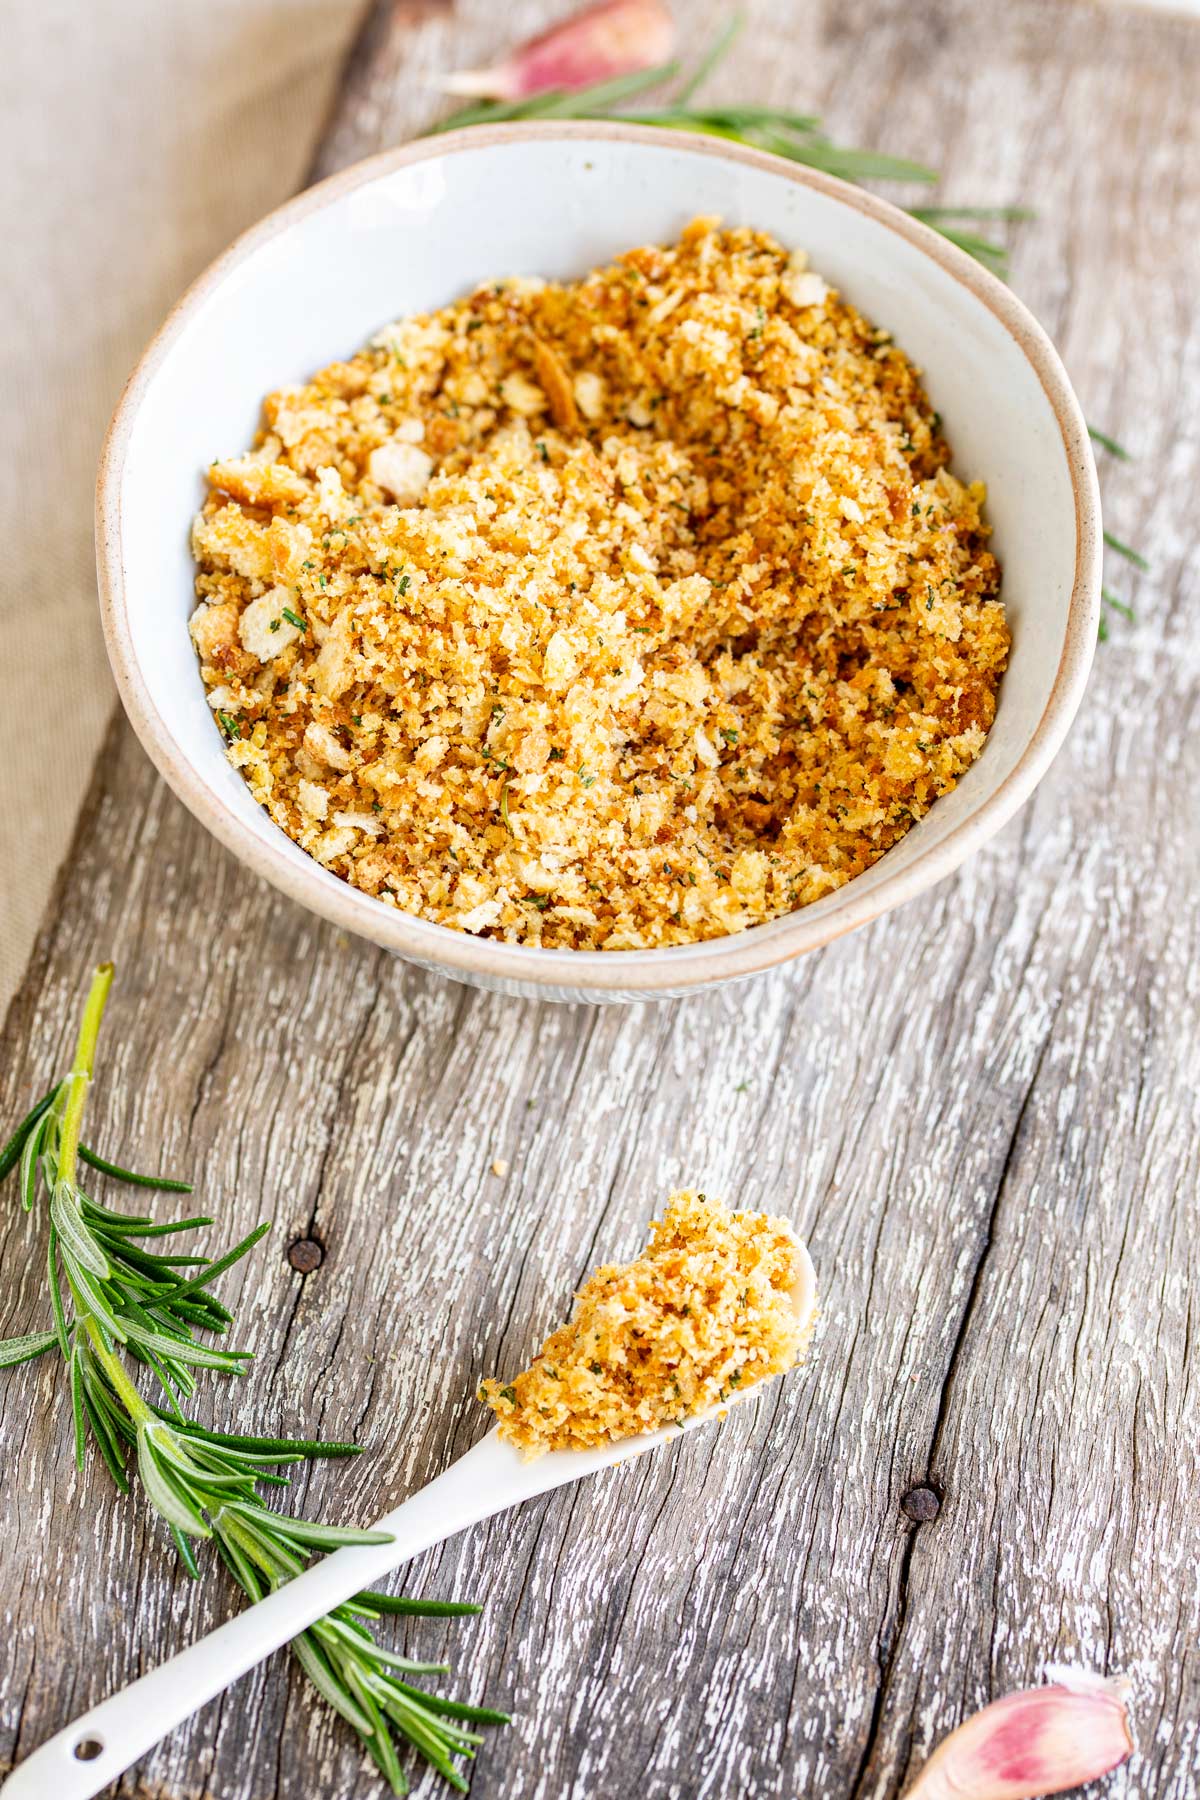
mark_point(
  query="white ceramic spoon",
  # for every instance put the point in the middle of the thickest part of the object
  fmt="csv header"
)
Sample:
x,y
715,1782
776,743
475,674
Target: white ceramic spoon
x,y
84,1757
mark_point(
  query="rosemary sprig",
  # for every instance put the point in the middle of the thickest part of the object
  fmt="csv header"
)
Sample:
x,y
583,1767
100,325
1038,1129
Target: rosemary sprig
x,y
114,1303
796,136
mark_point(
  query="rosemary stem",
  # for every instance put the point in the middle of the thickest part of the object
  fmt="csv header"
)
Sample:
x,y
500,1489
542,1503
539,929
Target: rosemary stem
x,y
124,1389
224,1521
80,1077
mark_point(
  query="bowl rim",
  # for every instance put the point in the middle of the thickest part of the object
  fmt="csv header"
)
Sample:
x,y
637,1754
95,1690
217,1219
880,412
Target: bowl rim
x,y
610,973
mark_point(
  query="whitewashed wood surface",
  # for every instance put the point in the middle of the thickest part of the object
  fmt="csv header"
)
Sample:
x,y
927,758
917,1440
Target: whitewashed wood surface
x,y
981,1110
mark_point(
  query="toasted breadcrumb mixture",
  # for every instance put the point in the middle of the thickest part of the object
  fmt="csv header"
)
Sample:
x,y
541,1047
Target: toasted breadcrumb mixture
x,y
707,1309
613,614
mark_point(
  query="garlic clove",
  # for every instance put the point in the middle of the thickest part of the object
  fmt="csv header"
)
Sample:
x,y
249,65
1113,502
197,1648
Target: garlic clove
x,y
614,37
1039,1741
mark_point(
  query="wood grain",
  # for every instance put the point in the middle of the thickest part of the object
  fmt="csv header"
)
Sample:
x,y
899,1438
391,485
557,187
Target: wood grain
x,y
982,1111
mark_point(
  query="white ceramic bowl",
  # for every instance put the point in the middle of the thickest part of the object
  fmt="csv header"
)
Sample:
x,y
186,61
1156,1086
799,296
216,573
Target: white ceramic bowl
x,y
416,227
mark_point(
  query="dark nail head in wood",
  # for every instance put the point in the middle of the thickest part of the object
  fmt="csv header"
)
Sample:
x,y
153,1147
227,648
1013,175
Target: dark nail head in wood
x,y
305,1255
921,1504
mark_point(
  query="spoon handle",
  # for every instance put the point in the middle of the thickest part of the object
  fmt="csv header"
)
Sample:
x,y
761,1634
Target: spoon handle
x,y
84,1757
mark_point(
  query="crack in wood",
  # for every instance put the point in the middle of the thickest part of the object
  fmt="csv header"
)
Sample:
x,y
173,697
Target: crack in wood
x,y
890,1640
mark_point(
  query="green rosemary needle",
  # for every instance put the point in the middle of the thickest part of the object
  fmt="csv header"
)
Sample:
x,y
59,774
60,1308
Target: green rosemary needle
x,y
1123,549
114,1303
1110,444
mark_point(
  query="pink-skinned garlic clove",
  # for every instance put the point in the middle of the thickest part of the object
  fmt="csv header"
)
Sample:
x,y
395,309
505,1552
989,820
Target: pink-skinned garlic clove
x,y
1039,1741
615,37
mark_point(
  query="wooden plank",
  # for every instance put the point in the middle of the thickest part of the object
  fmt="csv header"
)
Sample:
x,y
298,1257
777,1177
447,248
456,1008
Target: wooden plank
x,y
981,1110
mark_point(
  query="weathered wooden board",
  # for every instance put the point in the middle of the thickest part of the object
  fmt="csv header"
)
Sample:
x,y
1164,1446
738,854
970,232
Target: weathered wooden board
x,y
982,1110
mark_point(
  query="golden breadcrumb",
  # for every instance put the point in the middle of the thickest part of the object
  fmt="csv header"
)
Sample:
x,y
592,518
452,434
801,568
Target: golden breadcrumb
x,y
706,1309
609,615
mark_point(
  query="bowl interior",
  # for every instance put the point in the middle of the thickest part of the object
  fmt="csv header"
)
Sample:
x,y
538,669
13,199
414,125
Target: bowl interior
x,y
315,282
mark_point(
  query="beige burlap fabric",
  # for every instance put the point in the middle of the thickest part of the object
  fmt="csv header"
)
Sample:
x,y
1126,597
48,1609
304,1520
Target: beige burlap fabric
x,y
139,137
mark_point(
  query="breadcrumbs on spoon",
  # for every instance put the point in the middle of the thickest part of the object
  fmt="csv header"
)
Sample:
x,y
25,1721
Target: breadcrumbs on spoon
x,y
716,1302
607,615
